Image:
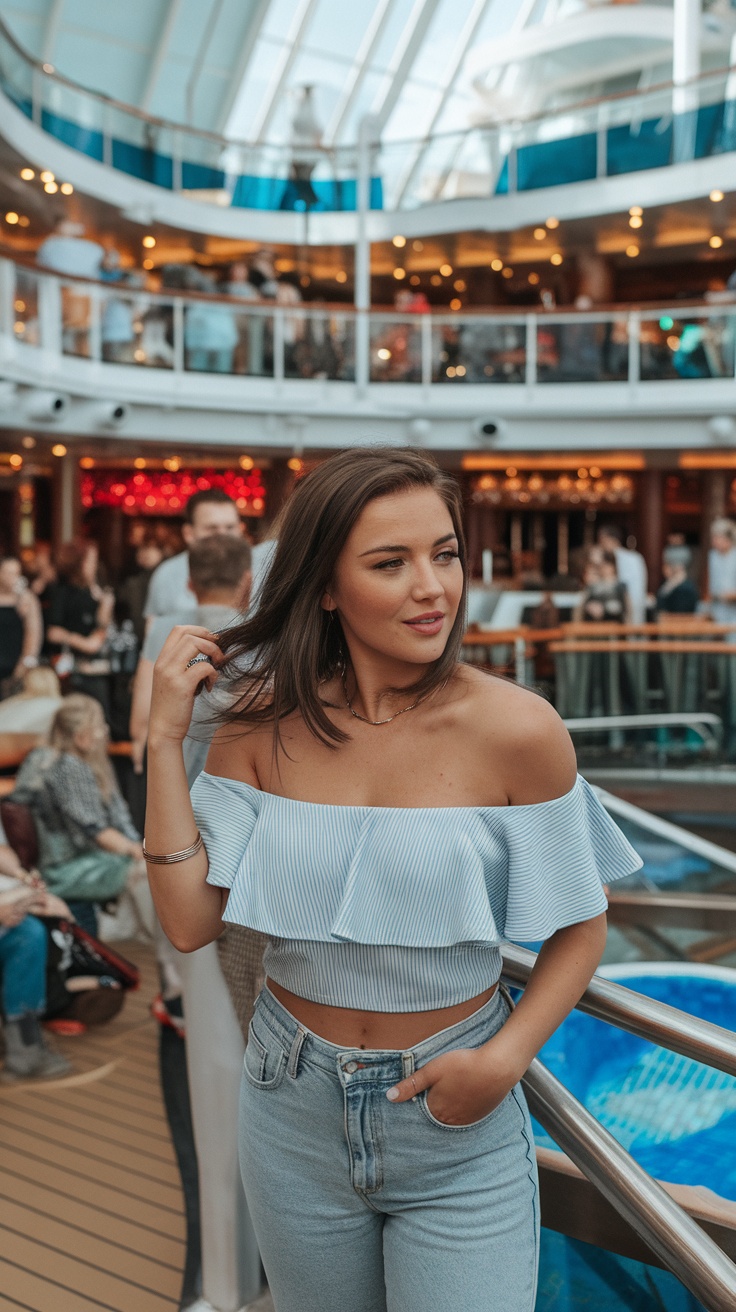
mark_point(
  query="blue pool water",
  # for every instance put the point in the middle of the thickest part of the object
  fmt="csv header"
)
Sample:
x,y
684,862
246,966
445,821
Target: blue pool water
x,y
675,1116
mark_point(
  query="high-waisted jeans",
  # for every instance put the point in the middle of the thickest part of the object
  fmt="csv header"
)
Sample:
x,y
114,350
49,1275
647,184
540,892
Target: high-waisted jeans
x,y
362,1205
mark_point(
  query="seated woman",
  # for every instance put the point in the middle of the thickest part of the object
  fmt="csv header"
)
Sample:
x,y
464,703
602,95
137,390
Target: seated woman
x,y
33,708
88,846
23,952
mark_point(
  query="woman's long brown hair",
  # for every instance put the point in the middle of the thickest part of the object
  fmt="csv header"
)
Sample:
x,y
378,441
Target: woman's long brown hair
x,y
290,644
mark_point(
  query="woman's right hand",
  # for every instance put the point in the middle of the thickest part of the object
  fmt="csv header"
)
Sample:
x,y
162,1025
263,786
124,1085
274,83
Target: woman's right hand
x,y
176,682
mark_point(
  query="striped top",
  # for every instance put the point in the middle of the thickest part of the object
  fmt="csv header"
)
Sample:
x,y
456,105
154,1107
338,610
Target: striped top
x,y
398,908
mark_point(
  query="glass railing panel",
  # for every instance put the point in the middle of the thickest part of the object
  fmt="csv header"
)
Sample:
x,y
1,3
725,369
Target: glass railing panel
x,y
72,116
319,346
395,351
16,76
25,307
76,319
687,346
478,351
583,351
136,330
221,340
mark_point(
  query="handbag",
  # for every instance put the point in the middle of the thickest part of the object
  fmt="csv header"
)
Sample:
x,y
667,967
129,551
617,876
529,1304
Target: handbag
x,y
73,953
90,877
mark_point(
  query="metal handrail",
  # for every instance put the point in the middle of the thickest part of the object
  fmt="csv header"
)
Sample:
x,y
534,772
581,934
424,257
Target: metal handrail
x,y
645,1017
676,1239
171,125
708,725
720,856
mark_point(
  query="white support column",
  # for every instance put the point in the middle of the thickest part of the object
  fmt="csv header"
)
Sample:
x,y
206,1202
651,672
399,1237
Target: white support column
x,y
685,69
366,141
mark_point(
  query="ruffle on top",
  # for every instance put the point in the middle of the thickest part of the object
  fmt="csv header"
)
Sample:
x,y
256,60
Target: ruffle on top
x,y
413,877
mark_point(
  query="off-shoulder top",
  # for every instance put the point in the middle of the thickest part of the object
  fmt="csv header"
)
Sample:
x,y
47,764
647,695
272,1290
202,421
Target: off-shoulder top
x,y
403,909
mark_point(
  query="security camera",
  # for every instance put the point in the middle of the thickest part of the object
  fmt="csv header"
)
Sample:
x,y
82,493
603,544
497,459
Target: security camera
x,y
45,406
111,414
487,431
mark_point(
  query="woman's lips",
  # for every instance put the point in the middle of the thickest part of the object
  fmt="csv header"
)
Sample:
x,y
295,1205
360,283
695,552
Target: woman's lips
x,y
429,624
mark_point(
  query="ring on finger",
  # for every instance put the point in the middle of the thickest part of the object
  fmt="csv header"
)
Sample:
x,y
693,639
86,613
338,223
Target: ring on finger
x,y
197,660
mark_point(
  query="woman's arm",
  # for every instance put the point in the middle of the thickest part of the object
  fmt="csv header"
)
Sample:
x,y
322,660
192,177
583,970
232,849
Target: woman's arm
x,y
190,909
30,612
88,646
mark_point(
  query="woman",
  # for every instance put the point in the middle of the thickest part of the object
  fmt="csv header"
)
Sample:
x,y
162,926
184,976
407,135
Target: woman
x,y
21,629
387,816
78,619
33,708
89,848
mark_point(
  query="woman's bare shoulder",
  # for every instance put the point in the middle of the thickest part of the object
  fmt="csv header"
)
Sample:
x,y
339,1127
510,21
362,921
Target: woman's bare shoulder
x,y
514,727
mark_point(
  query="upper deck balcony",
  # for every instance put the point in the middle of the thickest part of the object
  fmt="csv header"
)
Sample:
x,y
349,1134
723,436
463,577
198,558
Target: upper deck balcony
x,y
82,357
575,158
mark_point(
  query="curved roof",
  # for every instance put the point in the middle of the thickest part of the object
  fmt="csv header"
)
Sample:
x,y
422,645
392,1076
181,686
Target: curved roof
x,y
233,66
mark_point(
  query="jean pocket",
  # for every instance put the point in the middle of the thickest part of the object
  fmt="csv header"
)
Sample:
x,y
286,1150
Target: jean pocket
x,y
265,1060
473,1125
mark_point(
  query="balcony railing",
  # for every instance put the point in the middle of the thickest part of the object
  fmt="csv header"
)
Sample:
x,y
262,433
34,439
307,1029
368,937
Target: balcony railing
x,y
594,139
199,334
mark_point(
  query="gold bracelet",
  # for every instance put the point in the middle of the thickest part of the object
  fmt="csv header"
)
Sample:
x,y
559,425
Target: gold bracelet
x,y
170,858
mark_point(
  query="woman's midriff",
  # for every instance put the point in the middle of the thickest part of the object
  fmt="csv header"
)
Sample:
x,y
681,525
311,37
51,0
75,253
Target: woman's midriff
x,y
375,1029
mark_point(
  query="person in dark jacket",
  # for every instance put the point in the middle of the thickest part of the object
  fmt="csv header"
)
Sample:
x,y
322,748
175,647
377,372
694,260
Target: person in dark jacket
x,y
678,594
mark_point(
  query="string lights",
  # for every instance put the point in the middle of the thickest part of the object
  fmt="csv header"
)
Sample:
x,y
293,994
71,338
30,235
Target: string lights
x,y
166,492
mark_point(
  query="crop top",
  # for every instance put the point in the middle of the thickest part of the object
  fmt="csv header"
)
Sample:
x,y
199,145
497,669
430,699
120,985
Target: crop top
x,y
403,908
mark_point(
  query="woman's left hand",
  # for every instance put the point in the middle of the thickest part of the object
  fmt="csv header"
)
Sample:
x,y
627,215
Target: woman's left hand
x,y
462,1086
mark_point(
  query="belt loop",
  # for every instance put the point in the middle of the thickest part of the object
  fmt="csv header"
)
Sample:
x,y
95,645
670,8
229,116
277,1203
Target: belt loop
x,y
296,1048
407,1065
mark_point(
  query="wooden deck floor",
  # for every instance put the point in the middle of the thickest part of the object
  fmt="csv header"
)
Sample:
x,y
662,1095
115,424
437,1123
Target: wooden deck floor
x,y
91,1213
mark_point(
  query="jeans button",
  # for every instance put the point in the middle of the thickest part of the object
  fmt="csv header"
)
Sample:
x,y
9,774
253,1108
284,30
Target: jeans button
x,y
351,1067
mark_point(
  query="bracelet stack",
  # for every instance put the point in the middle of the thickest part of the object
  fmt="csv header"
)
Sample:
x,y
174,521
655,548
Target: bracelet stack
x,y
171,858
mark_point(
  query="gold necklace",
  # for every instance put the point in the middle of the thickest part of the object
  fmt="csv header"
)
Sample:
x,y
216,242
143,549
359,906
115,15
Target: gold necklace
x,y
376,723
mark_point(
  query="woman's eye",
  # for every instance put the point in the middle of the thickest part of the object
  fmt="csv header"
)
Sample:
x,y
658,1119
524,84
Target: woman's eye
x,y
447,555
389,564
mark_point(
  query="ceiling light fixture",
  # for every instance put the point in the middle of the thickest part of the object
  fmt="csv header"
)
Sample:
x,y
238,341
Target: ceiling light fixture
x,y
540,234
556,258
51,188
632,251
399,273
446,270
636,221
58,449
716,243
552,223
636,211
399,241
497,265
27,174
715,195
11,217
66,189
149,242
46,175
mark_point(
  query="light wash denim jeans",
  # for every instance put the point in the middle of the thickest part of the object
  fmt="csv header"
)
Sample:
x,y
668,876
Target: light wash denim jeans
x,y
362,1205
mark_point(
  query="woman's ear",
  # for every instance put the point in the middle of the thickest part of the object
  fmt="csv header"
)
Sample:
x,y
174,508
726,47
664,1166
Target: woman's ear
x,y
327,603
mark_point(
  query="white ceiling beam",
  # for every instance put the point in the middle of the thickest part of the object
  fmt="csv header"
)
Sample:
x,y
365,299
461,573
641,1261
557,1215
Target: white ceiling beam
x,y
51,31
245,54
158,54
200,58
465,40
412,39
360,67
278,85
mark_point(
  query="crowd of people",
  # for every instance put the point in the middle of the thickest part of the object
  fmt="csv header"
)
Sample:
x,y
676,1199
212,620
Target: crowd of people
x,y
219,335
63,629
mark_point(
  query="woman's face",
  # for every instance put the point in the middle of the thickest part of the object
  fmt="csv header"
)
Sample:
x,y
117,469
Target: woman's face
x,y
93,735
398,580
10,573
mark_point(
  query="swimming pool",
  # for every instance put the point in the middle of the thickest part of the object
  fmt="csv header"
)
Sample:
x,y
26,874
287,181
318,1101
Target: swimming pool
x,y
675,1116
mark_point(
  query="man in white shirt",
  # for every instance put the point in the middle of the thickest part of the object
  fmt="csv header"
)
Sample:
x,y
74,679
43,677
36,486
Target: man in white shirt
x,y
631,567
209,513
722,573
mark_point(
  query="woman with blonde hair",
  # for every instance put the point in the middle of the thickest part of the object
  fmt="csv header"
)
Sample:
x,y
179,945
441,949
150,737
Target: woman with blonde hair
x,y
34,707
88,844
